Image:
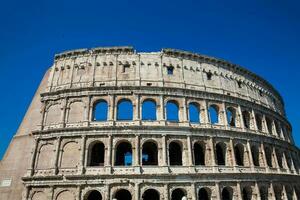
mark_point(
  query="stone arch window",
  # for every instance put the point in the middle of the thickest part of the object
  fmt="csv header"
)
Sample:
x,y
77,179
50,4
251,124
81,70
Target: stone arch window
x,y
149,110
226,193
259,122
239,154
279,156
204,194
213,114
255,155
96,154
170,70
278,128
65,195
39,196
75,113
100,111
172,111
151,194
199,153
268,153
93,195
246,119
149,154
288,160
178,194
122,194
209,75
123,154
221,153
247,193
175,153
45,156
263,191
231,116
278,192
289,192
124,110
194,112
269,125
68,160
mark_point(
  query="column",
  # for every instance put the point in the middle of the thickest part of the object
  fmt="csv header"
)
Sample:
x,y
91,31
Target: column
x,y
241,117
33,158
218,192
275,159
250,154
88,108
257,191
164,149
254,120
57,155
224,114
136,114
206,119
284,194
183,108
271,195
78,192
83,159
137,191
109,151
212,151
264,155
239,191
111,108
161,111
189,151
137,151
232,153
194,191
166,192
64,109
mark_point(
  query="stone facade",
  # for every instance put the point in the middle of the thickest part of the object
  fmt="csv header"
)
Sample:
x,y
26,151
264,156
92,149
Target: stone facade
x,y
62,152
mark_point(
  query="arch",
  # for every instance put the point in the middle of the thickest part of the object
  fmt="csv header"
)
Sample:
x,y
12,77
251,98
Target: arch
x,y
213,112
221,153
175,153
96,154
255,155
123,194
268,154
263,191
124,110
259,122
68,160
226,193
149,110
39,196
178,194
93,195
239,154
269,125
45,158
123,154
246,119
100,110
172,111
231,116
149,154
247,193
278,128
204,194
53,114
279,156
194,112
65,195
199,154
151,194
278,192
76,112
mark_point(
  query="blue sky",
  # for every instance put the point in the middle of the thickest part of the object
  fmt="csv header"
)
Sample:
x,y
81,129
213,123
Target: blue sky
x,y
263,36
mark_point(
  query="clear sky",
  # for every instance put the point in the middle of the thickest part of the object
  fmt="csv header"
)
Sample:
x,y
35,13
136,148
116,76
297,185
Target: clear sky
x,y
262,36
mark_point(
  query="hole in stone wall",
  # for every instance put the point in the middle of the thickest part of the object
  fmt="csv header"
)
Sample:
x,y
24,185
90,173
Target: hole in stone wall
x,y
97,154
221,153
175,153
194,113
255,155
172,110
150,154
231,116
94,195
239,154
199,154
227,193
177,194
123,154
203,194
100,111
123,195
150,194
149,110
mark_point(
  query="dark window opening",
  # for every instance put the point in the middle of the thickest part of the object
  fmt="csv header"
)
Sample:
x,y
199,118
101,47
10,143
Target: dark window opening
x,y
209,75
172,111
97,154
231,116
240,84
246,194
125,68
194,113
268,156
149,110
170,70
239,154
246,119
279,158
123,154
150,154
94,195
269,125
125,110
226,194
100,111
255,155
220,153
123,195
263,193
258,122
203,194
213,114
150,194
177,194
199,154
175,154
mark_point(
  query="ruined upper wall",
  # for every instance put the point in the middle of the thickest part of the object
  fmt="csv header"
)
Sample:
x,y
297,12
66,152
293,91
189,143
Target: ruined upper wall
x,y
122,66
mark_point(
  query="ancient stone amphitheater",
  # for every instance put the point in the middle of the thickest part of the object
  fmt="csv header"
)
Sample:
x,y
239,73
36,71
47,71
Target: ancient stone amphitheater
x,y
110,123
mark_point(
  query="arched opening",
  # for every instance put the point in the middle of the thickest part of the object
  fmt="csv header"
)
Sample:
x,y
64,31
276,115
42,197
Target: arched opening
x,y
239,154
149,154
255,155
269,125
213,114
278,128
96,154
123,154
123,195
278,192
100,111
231,116
149,110
124,110
94,195
172,110
194,113
259,122
246,119
226,193
175,153
177,194
263,191
170,70
247,193
268,156
151,194
203,194
220,153
279,156
199,154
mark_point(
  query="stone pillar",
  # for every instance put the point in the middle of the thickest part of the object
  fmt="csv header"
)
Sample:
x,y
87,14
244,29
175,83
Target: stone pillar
x,y
233,163
166,192
184,115
194,191
223,112
88,110
58,151
250,156
284,194
206,119
107,192
164,149
137,151
240,113
239,190
78,192
271,195
264,124
64,111
257,191
161,110
294,194
33,158
254,120
265,164
111,108
212,151
83,159
274,156
190,151
218,191
136,104
137,191
109,151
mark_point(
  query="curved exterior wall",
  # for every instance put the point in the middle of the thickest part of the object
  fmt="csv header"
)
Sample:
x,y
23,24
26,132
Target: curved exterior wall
x,y
61,131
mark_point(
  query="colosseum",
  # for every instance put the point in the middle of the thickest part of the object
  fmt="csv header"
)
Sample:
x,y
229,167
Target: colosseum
x,y
113,123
